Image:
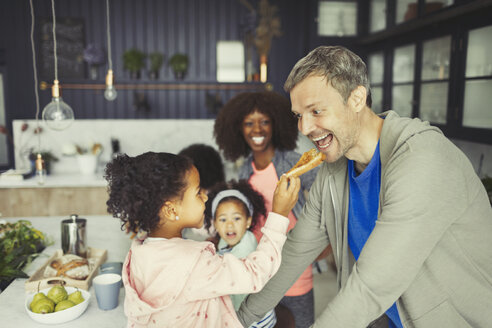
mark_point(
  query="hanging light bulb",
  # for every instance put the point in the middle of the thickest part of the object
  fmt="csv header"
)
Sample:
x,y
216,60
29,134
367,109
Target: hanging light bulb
x,y
57,114
40,170
110,92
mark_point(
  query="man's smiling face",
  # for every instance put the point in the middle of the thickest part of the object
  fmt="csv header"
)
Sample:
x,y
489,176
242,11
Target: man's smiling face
x,y
324,117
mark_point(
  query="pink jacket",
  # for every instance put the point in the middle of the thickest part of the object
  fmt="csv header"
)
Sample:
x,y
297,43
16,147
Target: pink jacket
x,y
184,283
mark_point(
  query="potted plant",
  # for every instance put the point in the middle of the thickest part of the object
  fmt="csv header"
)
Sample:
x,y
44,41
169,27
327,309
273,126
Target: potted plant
x,y
179,64
133,61
156,61
87,156
20,243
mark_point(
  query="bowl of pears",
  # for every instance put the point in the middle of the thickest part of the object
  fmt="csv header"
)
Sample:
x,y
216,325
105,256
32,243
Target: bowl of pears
x,y
57,304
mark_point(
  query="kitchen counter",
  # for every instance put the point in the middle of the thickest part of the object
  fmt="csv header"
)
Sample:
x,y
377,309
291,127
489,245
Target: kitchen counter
x,y
58,181
103,232
61,194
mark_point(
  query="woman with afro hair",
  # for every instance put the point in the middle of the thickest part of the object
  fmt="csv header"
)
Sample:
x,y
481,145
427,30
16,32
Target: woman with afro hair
x,y
260,127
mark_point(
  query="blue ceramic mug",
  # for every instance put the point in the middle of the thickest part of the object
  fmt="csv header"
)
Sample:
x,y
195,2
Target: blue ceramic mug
x,y
107,287
111,267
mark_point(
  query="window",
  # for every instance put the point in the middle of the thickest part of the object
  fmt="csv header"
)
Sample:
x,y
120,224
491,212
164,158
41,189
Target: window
x,y
377,15
403,77
437,64
408,9
433,104
478,79
337,18
376,79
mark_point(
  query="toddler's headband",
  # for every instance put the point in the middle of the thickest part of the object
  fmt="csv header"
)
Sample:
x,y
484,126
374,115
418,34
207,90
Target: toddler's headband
x,y
231,193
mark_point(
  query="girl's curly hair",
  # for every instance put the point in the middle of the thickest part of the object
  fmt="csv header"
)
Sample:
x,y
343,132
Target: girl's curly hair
x,y
255,198
228,127
139,186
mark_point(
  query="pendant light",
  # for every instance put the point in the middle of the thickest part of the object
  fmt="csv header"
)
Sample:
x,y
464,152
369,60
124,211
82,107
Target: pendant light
x,y
40,168
57,114
110,92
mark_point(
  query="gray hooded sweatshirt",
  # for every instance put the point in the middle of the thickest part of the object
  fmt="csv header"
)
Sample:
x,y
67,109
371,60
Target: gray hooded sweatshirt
x,y
431,248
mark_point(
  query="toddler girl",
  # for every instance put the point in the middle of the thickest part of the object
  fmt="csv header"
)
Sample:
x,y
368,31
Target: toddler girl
x,y
170,281
234,208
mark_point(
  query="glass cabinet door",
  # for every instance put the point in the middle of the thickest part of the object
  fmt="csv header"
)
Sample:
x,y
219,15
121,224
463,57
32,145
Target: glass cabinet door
x,y
435,80
408,9
477,110
404,63
403,77
377,18
376,79
337,18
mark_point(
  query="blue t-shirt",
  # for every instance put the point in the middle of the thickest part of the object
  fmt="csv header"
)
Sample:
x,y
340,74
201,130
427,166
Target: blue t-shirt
x,y
363,213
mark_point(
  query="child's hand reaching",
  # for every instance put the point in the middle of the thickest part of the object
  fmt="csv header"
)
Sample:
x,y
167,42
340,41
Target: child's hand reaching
x,y
285,195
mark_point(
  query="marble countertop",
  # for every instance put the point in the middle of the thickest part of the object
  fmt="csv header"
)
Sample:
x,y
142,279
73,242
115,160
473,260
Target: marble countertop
x,y
61,180
102,232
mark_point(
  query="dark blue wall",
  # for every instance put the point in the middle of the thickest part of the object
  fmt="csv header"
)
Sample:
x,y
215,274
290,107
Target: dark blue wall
x,y
168,26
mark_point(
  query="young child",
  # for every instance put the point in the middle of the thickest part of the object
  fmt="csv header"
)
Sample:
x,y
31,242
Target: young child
x,y
234,208
209,164
173,282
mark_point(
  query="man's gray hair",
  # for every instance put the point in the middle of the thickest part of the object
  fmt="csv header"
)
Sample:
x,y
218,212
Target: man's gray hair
x,y
340,66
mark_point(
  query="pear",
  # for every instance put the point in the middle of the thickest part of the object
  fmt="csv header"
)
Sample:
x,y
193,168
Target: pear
x,y
63,305
43,305
76,297
36,298
57,294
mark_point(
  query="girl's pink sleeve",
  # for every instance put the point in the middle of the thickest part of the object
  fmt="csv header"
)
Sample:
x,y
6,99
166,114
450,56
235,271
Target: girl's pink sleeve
x,y
216,275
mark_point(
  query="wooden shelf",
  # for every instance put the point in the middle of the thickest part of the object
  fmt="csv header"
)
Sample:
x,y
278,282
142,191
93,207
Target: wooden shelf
x,y
165,86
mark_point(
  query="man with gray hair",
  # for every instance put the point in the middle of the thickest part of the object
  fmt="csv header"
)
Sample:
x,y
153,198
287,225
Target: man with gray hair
x,y
408,219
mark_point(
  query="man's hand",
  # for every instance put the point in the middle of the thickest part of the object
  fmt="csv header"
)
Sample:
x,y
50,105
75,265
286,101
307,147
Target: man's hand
x,y
285,195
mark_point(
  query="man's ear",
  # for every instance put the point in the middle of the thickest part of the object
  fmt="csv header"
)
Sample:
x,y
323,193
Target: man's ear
x,y
357,98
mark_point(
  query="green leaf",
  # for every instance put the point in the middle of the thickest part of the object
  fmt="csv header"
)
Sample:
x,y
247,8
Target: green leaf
x,y
20,243
12,273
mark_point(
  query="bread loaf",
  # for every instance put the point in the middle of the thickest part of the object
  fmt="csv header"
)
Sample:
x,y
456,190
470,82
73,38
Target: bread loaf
x,y
69,265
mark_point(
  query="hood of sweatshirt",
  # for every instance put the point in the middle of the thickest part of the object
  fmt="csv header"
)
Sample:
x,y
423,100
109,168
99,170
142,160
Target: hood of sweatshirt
x,y
397,130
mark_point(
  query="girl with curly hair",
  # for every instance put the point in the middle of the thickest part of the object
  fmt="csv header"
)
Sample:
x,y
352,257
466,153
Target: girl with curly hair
x,y
261,127
174,282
